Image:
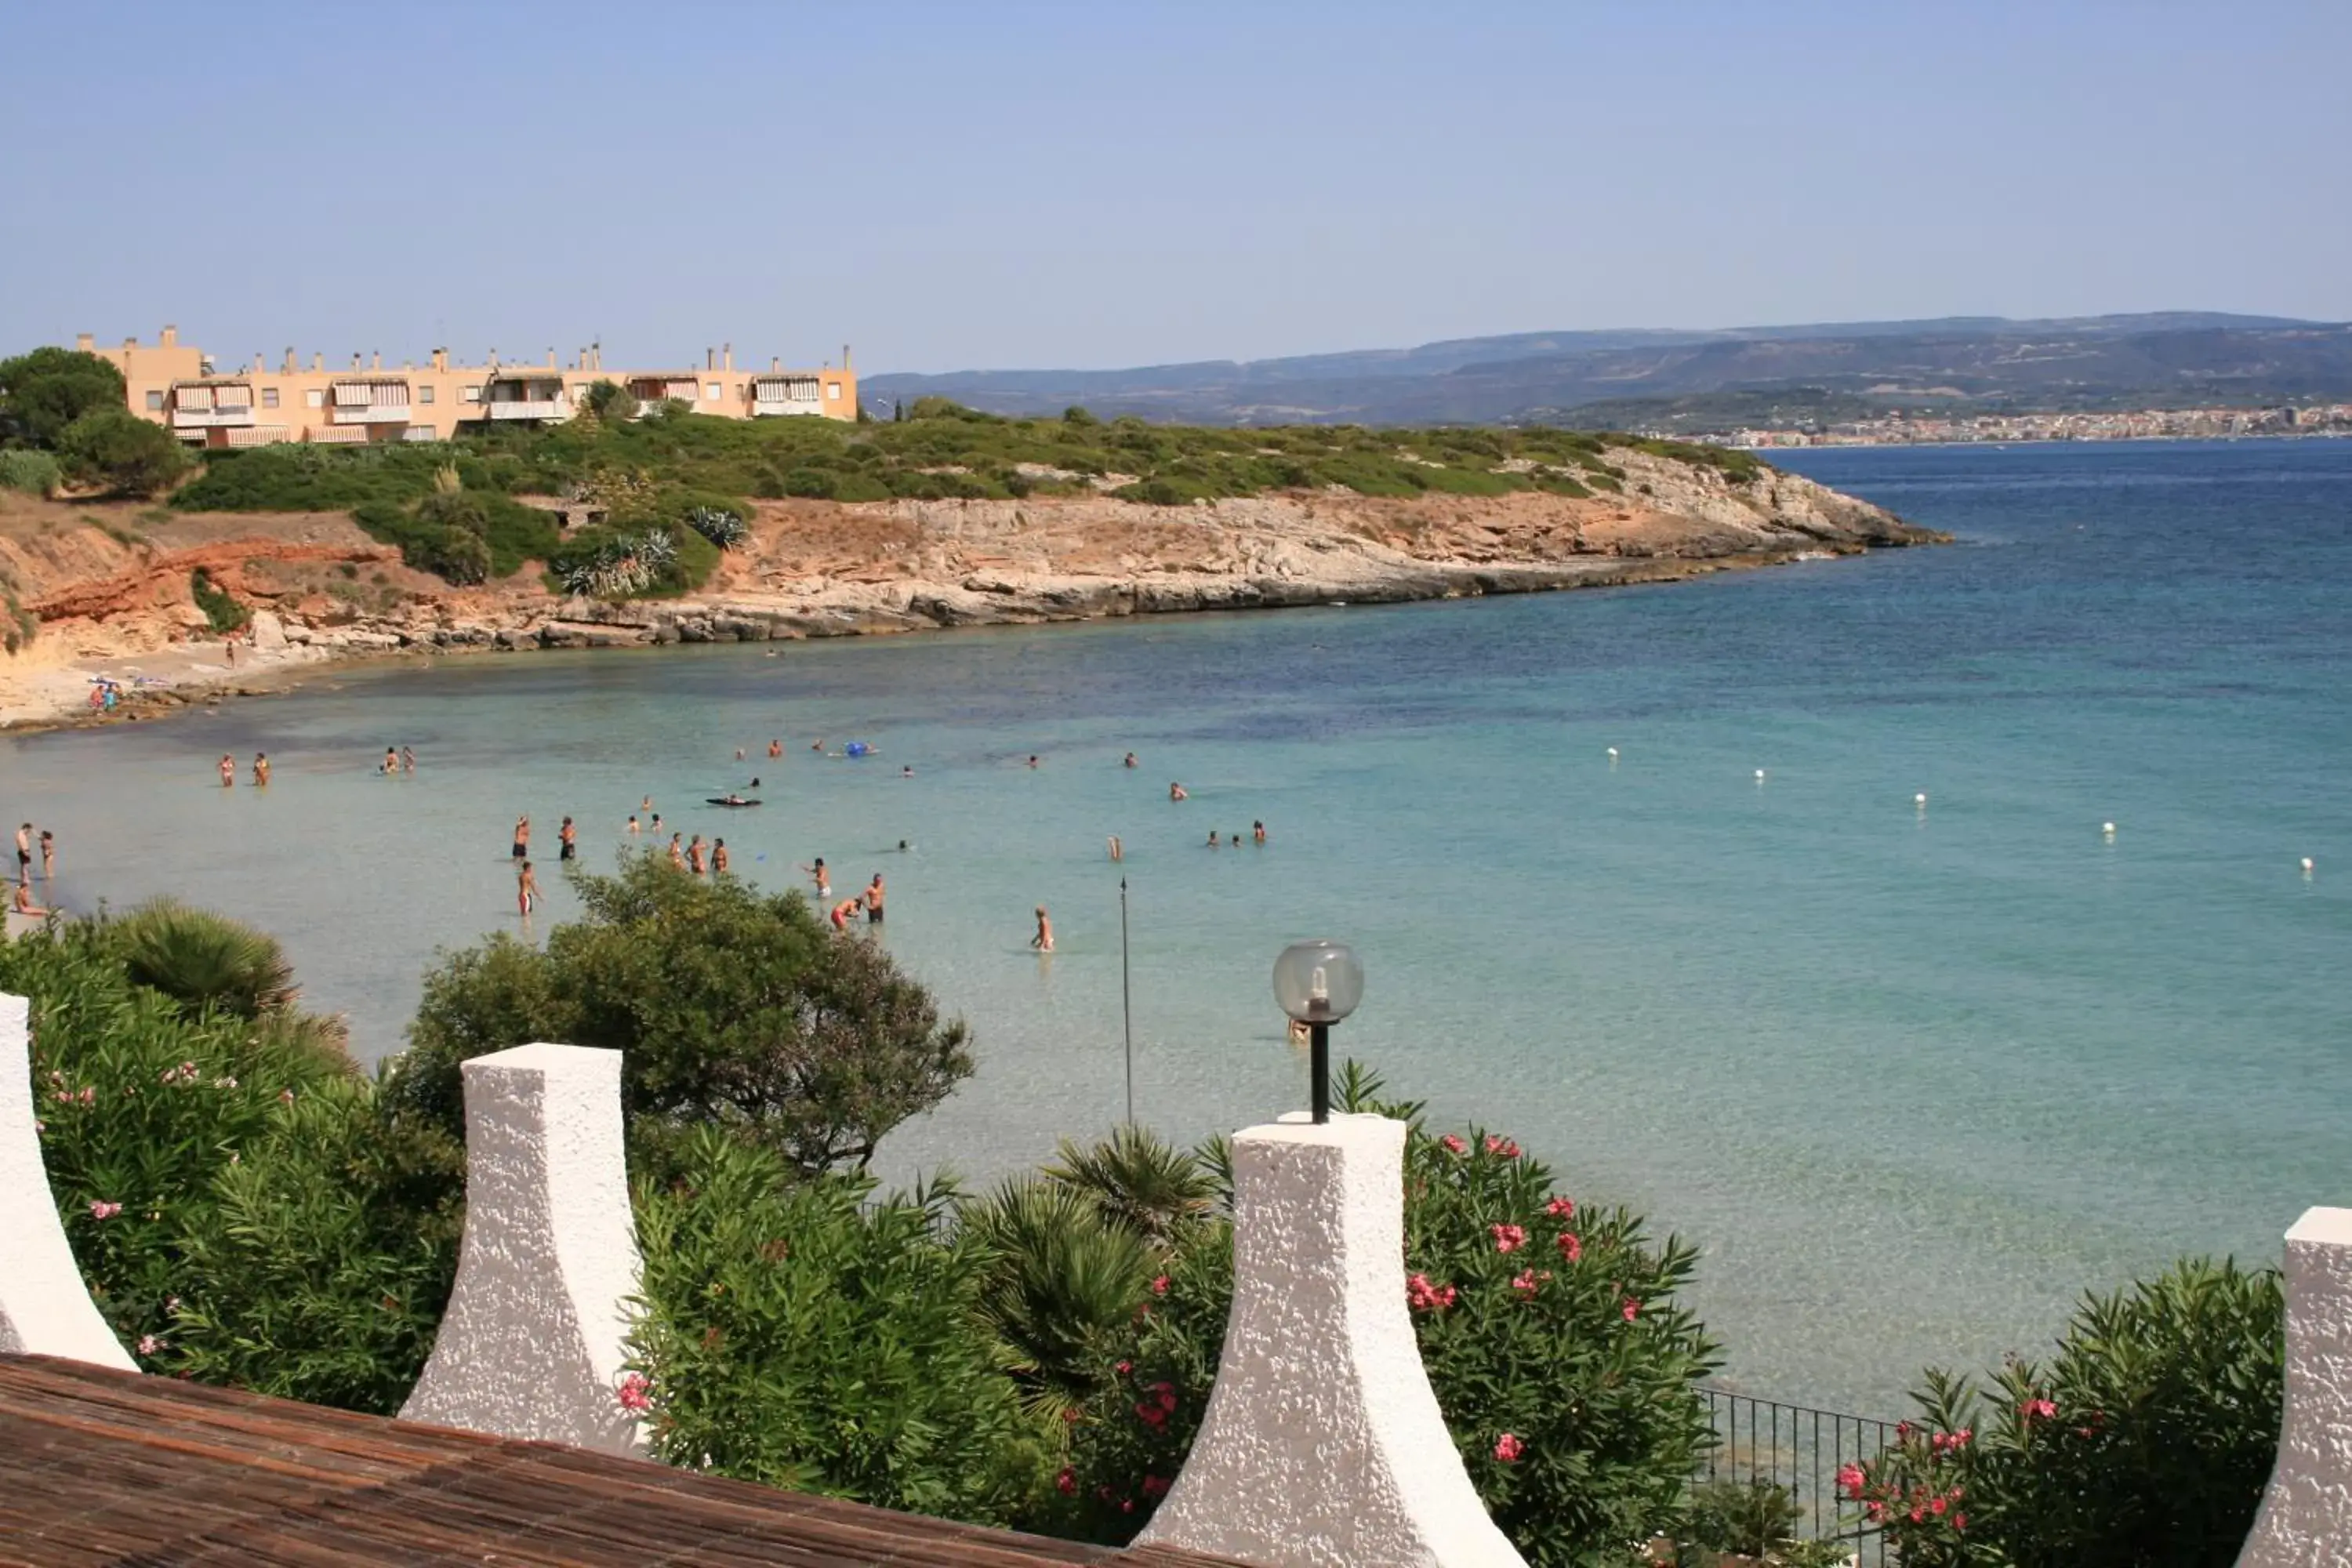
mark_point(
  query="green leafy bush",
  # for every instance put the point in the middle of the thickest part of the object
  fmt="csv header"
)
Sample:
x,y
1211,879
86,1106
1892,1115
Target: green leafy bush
x,y
2146,1443
222,611
35,473
240,1208
1564,1365
735,1009
797,1332
117,449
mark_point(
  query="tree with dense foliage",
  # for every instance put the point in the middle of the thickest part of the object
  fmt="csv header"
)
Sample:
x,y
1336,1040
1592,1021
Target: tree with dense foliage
x,y
116,448
609,400
734,1009
243,1211
2146,1443
43,392
799,1332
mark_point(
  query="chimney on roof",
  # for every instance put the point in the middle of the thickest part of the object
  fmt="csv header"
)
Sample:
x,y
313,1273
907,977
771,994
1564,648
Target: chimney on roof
x,y
355,359
288,366
845,356
729,361
171,338
318,362
711,358
376,359
84,341
440,359
550,356
776,363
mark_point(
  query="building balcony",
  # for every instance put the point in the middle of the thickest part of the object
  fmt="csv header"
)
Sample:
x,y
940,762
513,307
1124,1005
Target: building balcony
x,y
206,419
373,414
528,408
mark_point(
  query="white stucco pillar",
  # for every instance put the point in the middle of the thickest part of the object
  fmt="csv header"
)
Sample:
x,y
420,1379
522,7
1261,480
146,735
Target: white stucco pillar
x,y
2307,1517
531,1346
1322,1444
44,1309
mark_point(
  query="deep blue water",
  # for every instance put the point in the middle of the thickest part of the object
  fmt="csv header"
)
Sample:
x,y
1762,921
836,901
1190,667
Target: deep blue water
x,y
1912,1078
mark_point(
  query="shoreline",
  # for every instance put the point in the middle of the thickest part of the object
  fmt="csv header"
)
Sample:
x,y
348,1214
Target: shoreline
x,y
200,680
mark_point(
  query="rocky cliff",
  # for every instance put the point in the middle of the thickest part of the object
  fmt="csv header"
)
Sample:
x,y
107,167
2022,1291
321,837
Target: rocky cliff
x,y
108,594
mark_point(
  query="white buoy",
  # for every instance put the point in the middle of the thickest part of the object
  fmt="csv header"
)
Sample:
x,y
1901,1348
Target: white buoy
x,y
1612,753
1760,775
2107,829
2306,865
1919,799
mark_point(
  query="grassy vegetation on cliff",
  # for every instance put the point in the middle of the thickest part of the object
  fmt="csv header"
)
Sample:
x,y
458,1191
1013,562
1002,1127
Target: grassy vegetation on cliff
x,y
943,451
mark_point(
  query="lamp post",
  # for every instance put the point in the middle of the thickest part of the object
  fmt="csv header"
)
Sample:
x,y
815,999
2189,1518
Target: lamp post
x,y
1319,983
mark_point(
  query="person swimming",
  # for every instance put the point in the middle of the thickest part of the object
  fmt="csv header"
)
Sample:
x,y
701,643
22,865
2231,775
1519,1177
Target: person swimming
x,y
1212,838
633,823
1032,759
1257,832
1131,761
775,748
1044,940
1176,791
1118,850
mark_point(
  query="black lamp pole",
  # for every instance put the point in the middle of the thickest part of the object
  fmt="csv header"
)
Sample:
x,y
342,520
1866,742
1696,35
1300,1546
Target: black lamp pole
x,y
1318,1068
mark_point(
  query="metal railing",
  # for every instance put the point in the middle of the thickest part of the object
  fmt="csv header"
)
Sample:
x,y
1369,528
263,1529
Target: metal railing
x,y
1801,1449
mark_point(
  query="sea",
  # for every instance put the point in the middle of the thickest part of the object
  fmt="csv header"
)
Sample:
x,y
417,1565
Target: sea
x,y
1926,936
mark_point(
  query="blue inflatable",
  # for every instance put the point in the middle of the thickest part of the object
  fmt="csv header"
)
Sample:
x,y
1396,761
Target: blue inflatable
x,y
855,749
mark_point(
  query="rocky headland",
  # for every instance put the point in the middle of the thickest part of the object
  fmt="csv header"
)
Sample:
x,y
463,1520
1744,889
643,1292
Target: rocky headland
x,y
96,590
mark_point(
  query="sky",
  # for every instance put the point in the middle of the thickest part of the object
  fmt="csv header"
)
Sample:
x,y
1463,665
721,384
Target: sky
x,y
978,184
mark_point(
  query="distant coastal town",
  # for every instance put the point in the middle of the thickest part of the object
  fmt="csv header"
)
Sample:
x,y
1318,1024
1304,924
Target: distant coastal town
x,y
1898,429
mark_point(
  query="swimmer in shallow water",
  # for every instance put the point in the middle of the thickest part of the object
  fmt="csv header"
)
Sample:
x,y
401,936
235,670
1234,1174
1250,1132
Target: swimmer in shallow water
x,y
821,877
1044,940
1257,831
775,748
1131,761
526,890
1176,791
843,911
260,769
1212,838
718,857
1118,850
874,896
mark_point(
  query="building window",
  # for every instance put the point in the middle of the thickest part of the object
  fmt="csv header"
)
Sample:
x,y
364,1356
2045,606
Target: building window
x,y
833,391
270,397
424,393
315,398
710,391
154,403
473,395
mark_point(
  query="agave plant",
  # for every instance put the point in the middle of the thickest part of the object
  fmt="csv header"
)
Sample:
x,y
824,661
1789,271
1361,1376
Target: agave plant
x,y
724,529
202,960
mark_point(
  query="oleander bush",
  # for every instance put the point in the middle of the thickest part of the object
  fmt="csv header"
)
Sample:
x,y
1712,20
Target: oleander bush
x,y
799,1332
243,1210
2145,1442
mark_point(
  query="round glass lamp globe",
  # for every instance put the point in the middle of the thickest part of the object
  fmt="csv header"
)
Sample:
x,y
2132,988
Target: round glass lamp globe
x,y
1318,981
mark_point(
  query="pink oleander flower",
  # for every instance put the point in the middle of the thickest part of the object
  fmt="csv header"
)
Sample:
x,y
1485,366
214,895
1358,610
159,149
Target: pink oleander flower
x,y
1424,1297
1497,1144
1508,1447
89,1095
2038,1409
1562,1208
100,1209
1125,1367
1066,1483
1850,1480
1151,1416
1524,1282
1936,1506
1455,1145
148,1344
1507,1238
1571,1249
1159,1286
1633,1309
635,1393
1154,1486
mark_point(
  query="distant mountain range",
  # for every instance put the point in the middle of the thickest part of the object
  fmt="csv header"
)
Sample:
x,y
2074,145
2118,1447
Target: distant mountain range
x,y
1667,377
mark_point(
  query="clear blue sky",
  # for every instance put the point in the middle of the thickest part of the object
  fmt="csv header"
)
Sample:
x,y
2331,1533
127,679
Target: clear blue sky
x,y
1005,184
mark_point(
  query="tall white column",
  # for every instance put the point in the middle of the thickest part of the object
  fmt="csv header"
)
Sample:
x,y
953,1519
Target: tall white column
x,y
2307,1517
532,1344
1322,1444
44,1309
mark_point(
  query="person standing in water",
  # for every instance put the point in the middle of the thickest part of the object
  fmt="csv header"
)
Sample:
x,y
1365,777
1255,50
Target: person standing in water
x,y
391,764
1212,838
874,896
718,857
408,759
48,855
526,890
775,748
677,852
1118,850
694,856
656,825
1044,940
1176,791
821,877
1131,761
227,771
1257,832
843,911
260,769
567,839
633,823
521,838
1032,759
24,853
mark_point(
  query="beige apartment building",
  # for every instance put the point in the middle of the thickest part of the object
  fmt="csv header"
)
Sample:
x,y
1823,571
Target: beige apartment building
x,y
207,404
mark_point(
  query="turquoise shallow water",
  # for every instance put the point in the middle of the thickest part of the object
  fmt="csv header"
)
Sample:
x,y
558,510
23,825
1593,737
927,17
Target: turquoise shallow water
x,y
1912,1080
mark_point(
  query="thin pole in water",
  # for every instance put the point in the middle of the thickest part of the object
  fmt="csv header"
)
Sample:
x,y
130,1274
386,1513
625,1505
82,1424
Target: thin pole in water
x,y
1127,1001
